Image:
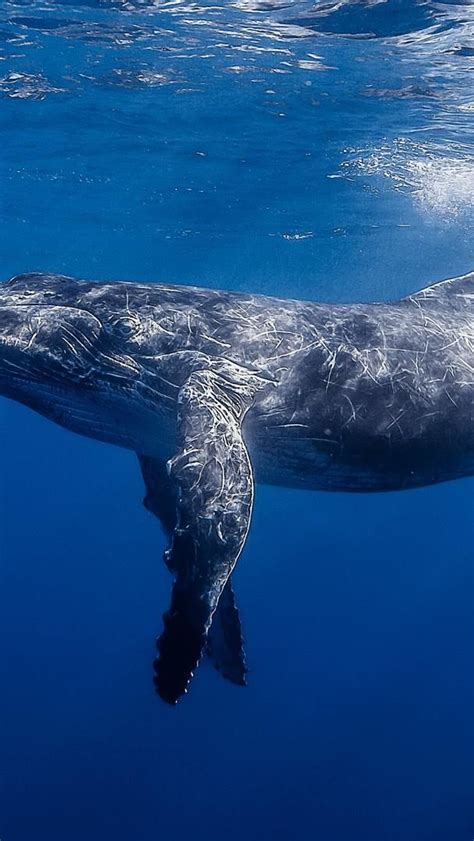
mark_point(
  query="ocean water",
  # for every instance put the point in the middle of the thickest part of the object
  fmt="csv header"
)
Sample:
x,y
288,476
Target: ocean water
x,y
320,151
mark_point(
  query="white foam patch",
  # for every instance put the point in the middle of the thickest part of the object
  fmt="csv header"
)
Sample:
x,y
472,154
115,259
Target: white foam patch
x,y
440,184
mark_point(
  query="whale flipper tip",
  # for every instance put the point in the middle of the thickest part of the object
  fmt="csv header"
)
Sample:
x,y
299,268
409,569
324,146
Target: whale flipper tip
x,y
180,647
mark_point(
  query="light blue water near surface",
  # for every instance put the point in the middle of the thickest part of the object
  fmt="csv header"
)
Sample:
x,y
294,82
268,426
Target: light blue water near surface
x,y
323,152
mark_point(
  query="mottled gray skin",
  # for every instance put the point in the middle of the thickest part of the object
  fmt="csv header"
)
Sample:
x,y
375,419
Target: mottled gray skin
x,y
222,386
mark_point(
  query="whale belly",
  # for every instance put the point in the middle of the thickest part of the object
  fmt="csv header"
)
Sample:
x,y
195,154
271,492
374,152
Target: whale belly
x,y
111,418
319,463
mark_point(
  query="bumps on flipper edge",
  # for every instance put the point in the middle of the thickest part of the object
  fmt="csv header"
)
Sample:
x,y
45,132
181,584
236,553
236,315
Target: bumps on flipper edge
x,y
180,646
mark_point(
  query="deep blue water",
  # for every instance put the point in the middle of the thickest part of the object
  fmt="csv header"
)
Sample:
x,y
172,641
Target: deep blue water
x,y
321,151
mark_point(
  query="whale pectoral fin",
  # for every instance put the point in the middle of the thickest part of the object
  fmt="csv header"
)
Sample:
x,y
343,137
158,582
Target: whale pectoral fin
x,y
160,497
225,642
214,482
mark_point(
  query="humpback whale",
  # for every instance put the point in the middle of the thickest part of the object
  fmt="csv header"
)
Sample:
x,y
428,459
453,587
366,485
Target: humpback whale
x,y
216,390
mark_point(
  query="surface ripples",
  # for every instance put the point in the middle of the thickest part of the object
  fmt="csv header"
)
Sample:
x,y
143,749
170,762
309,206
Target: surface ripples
x,y
291,122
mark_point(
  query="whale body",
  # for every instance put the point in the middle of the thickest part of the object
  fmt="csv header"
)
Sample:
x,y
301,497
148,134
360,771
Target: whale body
x,y
217,390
